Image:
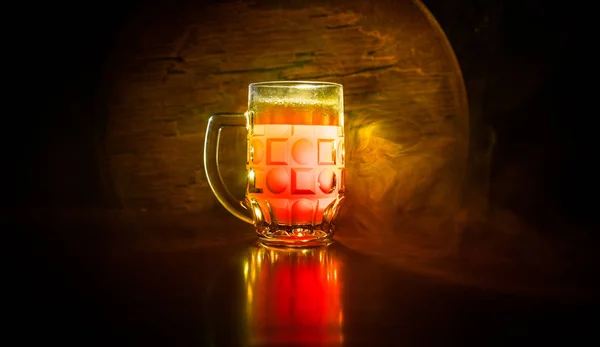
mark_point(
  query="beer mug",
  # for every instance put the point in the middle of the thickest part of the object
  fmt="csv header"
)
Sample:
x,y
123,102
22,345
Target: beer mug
x,y
295,161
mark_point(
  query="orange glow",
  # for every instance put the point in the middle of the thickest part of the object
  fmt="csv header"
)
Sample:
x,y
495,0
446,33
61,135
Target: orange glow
x,y
294,114
294,169
294,299
297,169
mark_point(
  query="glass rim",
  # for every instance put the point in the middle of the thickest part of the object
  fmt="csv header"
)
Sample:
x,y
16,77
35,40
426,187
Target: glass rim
x,y
275,84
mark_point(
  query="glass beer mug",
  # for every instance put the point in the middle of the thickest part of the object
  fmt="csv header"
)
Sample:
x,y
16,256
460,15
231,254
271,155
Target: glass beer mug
x,y
295,161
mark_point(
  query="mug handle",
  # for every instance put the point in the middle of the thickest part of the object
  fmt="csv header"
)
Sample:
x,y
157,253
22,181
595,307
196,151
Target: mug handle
x,y
211,162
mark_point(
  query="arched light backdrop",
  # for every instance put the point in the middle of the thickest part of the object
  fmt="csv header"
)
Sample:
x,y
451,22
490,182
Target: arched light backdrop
x,y
407,122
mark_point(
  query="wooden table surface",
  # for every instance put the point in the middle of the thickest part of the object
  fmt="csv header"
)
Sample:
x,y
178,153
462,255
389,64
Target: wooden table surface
x,y
138,279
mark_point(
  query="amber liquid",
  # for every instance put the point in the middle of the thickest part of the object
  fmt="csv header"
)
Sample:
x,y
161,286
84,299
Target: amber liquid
x,y
295,163
296,113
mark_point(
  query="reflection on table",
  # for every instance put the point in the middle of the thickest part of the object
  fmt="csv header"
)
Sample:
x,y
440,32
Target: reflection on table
x,y
293,296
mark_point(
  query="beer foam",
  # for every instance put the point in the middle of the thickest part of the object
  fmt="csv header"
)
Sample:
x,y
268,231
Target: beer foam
x,y
295,102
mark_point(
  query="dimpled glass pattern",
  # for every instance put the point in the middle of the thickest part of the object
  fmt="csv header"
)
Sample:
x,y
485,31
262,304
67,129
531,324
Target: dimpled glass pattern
x,y
295,174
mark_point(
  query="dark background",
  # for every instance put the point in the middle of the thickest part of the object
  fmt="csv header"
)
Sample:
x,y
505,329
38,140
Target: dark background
x,y
525,72
519,60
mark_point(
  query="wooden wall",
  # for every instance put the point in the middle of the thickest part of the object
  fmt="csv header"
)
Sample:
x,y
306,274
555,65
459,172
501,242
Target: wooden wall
x,y
407,123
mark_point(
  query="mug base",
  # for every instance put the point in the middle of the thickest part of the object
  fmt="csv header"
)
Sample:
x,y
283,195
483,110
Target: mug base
x,y
294,243
295,236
